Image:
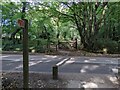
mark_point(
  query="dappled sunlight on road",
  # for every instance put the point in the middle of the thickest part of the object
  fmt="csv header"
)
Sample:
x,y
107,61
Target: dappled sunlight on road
x,y
44,58
113,79
72,58
82,70
86,68
90,85
9,64
51,56
100,82
86,61
115,70
92,59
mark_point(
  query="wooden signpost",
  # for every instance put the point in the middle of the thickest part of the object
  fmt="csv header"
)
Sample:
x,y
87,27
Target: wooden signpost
x,y
24,24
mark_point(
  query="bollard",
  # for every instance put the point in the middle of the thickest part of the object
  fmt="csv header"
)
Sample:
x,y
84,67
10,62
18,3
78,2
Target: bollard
x,y
55,72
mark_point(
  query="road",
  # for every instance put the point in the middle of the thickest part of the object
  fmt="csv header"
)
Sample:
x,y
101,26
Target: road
x,y
44,63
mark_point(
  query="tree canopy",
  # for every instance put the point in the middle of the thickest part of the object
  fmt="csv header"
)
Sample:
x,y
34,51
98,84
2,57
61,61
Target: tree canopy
x,y
94,24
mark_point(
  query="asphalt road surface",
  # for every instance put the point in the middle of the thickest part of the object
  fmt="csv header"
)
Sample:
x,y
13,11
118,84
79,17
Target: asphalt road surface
x,y
44,63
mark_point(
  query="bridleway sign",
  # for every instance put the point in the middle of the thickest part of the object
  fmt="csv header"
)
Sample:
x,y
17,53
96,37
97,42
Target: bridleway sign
x,y
21,23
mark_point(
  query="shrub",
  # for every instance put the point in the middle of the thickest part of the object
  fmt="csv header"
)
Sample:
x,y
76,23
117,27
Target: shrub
x,y
112,46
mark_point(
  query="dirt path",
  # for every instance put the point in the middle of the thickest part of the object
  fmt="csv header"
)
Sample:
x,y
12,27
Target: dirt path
x,y
71,80
68,53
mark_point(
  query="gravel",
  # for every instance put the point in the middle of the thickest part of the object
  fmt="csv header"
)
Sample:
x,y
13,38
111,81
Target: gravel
x,y
65,80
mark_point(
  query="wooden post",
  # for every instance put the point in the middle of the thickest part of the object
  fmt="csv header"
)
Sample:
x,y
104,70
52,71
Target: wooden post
x,y
55,72
76,43
119,68
25,55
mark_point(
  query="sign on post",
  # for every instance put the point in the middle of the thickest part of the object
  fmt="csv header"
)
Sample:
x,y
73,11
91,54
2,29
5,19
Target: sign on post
x,y
25,54
24,24
21,23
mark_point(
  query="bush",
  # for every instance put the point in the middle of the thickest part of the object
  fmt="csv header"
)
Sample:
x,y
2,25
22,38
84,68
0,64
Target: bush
x,y
99,44
40,49
112,46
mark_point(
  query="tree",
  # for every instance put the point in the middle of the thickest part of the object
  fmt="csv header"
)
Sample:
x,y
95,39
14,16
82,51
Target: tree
x,y
91,21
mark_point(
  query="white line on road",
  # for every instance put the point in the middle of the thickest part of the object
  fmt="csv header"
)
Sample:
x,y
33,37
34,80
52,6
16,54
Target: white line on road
x,y
30,64
34,63
69,62
62,62
6,56
89,62
20,66
20,59
10,59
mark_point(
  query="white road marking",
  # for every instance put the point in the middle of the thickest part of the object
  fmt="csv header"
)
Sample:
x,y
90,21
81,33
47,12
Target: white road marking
x,y
16,60
69,62
34,63
6,56
20,66
30,64
90,62
63,61
20,59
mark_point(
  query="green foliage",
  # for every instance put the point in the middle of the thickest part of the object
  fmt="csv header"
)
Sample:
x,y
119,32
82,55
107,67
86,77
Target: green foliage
x,y
112,46
50,22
